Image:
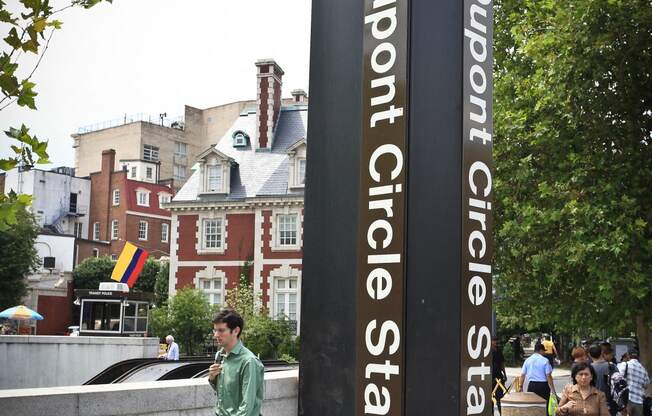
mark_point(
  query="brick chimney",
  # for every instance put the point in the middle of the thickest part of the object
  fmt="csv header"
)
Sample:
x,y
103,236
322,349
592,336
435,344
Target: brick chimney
x,y
269,83
299,96
108,161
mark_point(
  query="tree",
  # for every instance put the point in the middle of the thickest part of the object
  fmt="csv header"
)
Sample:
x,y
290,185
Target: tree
x,y
266,337
573,154
19,258
162,283
147,279
187,317
93,270
27,30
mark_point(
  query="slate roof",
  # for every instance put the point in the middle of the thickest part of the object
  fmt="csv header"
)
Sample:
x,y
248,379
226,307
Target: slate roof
x,y
255,174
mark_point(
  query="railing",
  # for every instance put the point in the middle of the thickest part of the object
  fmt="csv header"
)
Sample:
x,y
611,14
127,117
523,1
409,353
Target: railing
x,y
176,122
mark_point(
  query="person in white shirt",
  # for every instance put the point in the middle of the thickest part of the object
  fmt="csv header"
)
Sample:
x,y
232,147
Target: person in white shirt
x,y
637,381
173,349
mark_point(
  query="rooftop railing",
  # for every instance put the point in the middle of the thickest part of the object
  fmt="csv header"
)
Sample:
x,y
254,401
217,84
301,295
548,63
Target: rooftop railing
x,y
161,120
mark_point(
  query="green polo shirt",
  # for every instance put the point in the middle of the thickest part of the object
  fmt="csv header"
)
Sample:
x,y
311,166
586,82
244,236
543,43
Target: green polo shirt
x,y
240,385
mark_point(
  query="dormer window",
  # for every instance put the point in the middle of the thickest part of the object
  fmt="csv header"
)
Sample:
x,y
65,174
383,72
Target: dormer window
x,y
164,198
215,168
301,172
142,197
240,139
214,178
297,164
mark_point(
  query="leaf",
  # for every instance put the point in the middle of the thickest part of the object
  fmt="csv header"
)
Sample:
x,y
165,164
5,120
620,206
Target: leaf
x,y
39,25
8,164
12,39
26,95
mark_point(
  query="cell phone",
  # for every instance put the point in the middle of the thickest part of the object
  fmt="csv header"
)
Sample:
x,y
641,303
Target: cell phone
x,y
219,356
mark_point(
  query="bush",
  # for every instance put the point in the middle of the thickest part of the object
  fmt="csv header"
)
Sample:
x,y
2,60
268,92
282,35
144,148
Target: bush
x,y
93,270
264,336
187,317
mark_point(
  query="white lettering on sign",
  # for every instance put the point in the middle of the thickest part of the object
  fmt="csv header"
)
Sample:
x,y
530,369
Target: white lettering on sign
x,y
477,193
382,337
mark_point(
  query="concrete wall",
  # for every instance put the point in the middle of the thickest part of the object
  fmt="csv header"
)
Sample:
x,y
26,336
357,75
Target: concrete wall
x,y
125,139
45,361
174,398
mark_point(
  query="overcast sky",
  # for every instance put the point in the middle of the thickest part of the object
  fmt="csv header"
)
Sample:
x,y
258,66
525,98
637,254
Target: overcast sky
x,y
154,56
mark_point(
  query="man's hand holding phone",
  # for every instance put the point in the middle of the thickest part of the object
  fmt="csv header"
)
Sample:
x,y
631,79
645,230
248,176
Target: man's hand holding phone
x,y
214,370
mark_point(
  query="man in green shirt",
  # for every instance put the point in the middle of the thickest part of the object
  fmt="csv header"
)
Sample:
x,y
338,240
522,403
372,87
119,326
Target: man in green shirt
x,y
237,375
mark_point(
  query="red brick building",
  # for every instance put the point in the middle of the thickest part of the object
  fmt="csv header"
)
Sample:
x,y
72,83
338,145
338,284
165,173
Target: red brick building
x,y
122,210
244,202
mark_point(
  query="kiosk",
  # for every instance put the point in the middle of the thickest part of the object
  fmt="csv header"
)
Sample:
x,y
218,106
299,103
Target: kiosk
x,y
112,311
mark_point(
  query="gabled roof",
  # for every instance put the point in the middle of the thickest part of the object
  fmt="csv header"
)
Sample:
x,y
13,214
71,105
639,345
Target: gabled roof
x,y
213,150
298,144
256,173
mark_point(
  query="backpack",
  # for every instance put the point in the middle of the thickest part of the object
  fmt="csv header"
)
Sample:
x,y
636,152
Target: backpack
x,y
618,395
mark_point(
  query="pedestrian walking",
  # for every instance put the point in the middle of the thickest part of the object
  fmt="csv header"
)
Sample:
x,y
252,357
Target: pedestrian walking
x,y
538,372
579,355
237,375
637,381
603,370
582,398
550,350
497,370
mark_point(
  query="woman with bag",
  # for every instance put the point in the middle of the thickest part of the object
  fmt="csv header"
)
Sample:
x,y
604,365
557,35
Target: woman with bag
x,y
582,398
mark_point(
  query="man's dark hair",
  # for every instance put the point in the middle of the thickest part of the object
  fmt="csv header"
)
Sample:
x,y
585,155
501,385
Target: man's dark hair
x,y
595,351
633,354
606,348
548,338
231,318
582,366
539,347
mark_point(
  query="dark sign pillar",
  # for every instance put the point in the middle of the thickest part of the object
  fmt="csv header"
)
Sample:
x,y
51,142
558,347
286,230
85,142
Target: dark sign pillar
x,y
396,301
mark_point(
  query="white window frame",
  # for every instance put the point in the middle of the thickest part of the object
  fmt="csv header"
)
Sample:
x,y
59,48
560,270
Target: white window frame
x,y
275,233
116,197
115,229
180,148
164,198
96,231
239,140
222,227
285,272
149,172
212,291
219,178
96,253
146,230
301,178
165,232
151,153
280,229
134,172
140,193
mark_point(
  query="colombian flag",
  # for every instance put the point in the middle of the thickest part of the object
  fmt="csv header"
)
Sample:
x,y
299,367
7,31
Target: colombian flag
x,y
129,264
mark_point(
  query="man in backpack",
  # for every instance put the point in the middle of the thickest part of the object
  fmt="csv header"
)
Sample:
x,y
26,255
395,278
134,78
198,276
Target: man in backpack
x,y
637,380
603,370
